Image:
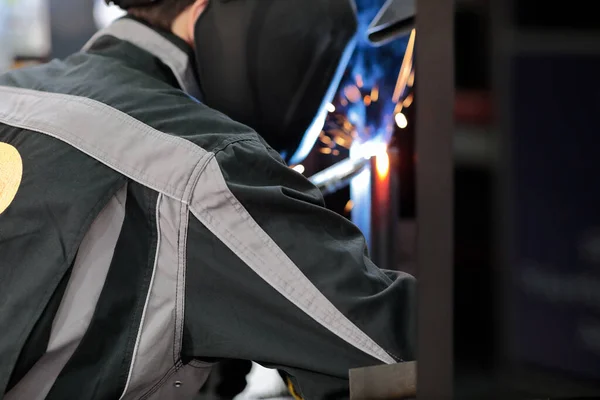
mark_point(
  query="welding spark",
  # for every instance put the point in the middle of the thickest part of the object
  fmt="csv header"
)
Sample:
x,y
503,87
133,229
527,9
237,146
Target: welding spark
x,y
408,101
401,120
374,94
405,69
352,93
298,168
376,88
359,81
349,206
361,114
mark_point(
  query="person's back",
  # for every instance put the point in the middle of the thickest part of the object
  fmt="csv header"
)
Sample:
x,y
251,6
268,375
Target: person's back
x,y
151,236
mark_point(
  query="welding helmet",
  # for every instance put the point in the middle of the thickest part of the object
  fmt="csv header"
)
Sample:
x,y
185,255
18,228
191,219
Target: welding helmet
x,y
273,64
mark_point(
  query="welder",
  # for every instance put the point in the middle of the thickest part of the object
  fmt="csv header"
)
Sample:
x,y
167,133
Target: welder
x,y
146,229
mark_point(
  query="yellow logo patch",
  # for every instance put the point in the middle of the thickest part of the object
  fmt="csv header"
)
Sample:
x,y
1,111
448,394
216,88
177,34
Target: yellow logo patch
x,y
11,172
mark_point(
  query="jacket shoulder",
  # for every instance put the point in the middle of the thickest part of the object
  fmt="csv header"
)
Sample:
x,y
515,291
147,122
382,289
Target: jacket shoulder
x,y
139,95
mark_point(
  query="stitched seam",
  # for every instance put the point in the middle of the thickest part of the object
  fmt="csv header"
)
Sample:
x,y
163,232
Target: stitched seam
x,y
181,244
181,254
138,333
184,276
200,364
170,372
227,143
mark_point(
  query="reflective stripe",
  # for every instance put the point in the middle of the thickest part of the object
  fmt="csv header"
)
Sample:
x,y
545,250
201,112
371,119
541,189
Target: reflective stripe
x,y
158,342
165,163
181,275
79,301
156,371
174,166
217,208
151,41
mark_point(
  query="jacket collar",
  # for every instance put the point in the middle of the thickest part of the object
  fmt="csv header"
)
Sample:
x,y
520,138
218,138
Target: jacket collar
x,y
168,48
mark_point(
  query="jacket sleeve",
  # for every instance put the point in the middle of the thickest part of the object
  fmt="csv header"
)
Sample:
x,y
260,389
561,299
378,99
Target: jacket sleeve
x,y
299,293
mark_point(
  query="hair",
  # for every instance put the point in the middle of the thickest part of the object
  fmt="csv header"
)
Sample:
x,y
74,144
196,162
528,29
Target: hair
x,y
162,14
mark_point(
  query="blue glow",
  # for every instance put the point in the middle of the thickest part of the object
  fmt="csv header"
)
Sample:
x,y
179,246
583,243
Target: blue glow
x,y
313,132
360,193
310,137
377,67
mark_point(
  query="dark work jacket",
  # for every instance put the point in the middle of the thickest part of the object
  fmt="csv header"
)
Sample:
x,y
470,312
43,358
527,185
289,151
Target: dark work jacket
x,y
151,235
